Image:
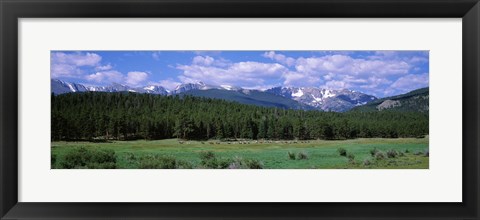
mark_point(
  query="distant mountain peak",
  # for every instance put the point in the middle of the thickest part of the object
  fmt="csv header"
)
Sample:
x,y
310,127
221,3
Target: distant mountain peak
x,y
191,86
324,99
203,86
60,87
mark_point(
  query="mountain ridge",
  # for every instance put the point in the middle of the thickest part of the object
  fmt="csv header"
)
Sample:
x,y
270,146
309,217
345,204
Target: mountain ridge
x,y
307,98
60,87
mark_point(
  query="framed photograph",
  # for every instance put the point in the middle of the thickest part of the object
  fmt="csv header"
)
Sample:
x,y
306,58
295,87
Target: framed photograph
x,y
250,110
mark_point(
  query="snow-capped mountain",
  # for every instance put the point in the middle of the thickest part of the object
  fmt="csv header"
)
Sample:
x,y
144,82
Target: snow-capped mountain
x,y
60,87
324,99
115,87
153,90
306,98
190,86
201,86
229,87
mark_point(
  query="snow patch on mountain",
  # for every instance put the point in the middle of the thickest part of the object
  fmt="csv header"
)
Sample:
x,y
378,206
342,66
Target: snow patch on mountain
x,y
327,93
71,87
150,88
298,93
317,99
230,87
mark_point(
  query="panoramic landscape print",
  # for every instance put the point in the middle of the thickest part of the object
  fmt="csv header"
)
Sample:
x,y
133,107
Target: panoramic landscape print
x,y
239,109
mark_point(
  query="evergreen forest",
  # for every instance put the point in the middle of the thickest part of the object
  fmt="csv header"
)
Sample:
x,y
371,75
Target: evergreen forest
x,y
101,116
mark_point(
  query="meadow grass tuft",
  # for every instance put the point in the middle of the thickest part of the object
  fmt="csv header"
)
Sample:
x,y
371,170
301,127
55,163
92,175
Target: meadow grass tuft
x,y
302,155
392,153
291,155
380,155
342,152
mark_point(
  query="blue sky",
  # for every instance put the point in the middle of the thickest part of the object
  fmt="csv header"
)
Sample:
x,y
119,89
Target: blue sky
x,y
380,73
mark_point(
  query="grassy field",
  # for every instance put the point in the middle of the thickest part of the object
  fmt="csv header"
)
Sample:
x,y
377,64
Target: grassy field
x,y
320,154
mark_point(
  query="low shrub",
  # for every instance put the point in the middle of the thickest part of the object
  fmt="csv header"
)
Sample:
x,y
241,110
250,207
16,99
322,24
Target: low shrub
x,y
350,156
103,156
210,161
184,165
240,163
426,153
392,153
291,155
130,157
407,151
367,162
82,157
157,162
418,153
373,151
302,155
167,162
254,164
223,163
235,165
207,155
380,155
342,152
148,164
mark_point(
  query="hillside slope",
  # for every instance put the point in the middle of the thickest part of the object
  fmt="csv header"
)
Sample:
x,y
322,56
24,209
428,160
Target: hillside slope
x,y
416,100
250,97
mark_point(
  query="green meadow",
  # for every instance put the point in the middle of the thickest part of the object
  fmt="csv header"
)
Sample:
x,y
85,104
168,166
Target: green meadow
x,y
367,153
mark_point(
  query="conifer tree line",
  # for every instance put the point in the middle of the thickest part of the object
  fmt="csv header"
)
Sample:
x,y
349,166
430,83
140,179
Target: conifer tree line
x,y
128,116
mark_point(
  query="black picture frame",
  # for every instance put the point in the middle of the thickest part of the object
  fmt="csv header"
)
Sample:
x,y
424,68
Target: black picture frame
x,y
12,10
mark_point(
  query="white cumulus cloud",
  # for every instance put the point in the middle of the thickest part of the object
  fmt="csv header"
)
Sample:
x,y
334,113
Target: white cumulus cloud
x,y
135,78
106,76
104,67
203,60
249,73
341,64
408,83
112,76
69,64
279,58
